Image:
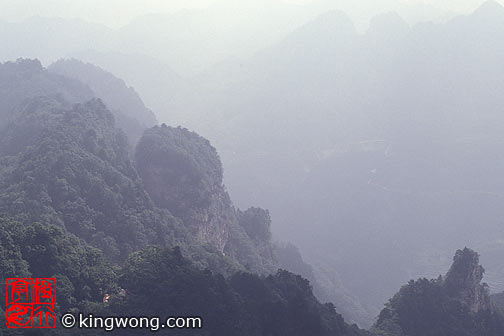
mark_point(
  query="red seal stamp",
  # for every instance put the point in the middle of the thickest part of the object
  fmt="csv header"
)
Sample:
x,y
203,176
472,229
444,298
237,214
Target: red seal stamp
x,y
31,303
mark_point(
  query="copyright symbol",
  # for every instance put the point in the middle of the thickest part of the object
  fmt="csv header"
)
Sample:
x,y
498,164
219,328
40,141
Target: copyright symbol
x,y
68,320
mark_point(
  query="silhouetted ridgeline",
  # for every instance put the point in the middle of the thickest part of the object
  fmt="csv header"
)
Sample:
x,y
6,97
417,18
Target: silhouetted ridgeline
x,y
67,182
393,136
183,173
457,304
161,235
129,110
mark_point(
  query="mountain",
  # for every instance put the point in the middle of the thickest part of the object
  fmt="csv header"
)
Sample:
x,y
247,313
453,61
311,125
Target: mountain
x,y
155,81
159,239
457,304
188,40
362,142
25,79
192,40
129,110
47,251
490,9
327,284
253,105
245,304
69,165
498,300
182,173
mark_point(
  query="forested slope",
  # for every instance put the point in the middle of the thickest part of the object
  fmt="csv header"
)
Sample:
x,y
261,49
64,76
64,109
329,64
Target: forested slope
x,y
128,108
454,305
76,208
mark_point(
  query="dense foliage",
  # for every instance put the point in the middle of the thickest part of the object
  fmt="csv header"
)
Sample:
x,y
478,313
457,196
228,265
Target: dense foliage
x,y
25,79
193,168
498,301
67,182
79,209
449,306
130,112
182,172
45,250
257,223
162,281
69,165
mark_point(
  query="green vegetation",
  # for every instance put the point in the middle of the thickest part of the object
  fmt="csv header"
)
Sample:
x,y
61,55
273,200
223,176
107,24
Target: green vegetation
x,y
161,235
130,112
193,169
25,79
159,282
498,301
163,281
47,251
70,166
453,306
183,173
67,182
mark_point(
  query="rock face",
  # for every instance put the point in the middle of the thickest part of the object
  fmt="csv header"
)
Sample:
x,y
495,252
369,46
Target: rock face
x,y
182,173
463,281
458,304
68,165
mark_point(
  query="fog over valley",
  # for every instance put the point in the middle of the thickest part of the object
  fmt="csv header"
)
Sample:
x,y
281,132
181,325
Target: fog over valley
x,y
262,157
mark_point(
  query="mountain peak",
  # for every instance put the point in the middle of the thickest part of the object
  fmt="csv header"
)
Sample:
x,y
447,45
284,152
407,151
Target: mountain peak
x,y
490,7
24,65
330,23
463,281
456,305
466,264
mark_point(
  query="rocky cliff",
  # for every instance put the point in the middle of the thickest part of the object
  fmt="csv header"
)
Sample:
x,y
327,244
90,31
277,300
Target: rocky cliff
x,y
463,282
453,305
183,173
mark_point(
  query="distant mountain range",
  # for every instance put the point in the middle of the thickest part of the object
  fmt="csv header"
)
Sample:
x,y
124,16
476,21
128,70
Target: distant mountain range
x,y
158,233
131,114
376,153
393,136
189,41
155,234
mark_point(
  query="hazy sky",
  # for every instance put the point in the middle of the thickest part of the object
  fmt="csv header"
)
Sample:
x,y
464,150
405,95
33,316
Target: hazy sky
x,y
115,13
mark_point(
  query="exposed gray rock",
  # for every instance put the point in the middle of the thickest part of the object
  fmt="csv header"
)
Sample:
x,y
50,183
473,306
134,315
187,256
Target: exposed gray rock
x,y
463,281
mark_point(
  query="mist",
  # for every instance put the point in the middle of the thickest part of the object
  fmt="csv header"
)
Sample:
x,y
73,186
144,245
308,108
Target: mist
x,y
115,14
355,143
